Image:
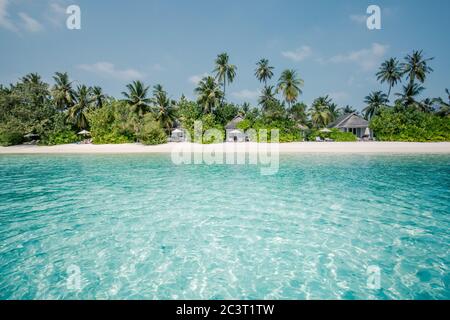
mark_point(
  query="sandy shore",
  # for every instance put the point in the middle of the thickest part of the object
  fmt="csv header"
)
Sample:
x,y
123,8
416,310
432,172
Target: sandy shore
x,y
297,147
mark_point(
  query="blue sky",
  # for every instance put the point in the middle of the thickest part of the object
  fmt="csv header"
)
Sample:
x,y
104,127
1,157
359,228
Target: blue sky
x,y
175,42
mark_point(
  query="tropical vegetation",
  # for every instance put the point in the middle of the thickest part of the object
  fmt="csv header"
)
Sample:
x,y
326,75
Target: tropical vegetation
x,y
32,109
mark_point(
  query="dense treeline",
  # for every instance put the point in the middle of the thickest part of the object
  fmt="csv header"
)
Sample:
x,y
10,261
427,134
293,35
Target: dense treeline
x,y
56,114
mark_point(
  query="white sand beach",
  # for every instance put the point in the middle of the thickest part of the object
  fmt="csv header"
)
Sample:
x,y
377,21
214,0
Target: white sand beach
x,y
297,147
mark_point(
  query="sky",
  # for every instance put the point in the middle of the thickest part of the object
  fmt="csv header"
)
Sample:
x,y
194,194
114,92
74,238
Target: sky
x,y
175,43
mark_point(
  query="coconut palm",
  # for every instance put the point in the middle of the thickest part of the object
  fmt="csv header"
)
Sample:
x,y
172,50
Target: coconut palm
x,y
298,112
164,108
264,71
334,111
348,109
37,87
98,96
209,94
320,113
32,78
266,98
62,91
426,105
290,86
137,97
224,71
245,108
375,102
444,107
390,72
82,101
416,67
410,93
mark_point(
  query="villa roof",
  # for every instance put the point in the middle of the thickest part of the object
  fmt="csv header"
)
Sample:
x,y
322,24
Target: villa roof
x,y
349,120
232,125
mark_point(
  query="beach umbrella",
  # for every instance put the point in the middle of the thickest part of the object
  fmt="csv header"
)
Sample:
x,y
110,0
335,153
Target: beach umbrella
x,y
31,135
325,130
84,132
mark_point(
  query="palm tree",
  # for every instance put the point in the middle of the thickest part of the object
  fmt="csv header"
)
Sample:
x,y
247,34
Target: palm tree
x,y
409,94
390,72
39,89
264,71
348,109
209,94
416,67
298,113
225,72
267,97
290,86
62,91
137,97
444,107
164,108
334,111
320,113
32,78
98,97
426,105
82,102
375,102
245,108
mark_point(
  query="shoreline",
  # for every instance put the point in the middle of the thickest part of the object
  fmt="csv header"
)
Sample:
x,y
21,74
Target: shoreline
x,y
249,147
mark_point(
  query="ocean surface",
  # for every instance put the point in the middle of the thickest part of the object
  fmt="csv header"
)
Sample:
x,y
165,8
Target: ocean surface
x,y
140,227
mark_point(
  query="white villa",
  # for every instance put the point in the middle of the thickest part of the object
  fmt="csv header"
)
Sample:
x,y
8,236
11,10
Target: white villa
x,y
178,134
353,123
234,134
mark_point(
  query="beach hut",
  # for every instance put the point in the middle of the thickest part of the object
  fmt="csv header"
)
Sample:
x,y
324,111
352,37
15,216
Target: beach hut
x,y
234,134
85,133
353,123
178,135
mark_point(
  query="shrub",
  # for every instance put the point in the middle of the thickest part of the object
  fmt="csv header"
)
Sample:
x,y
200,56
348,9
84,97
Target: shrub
x,y
151,132
335,135
410,125
11,133
10,138
340,136
61,137
114,123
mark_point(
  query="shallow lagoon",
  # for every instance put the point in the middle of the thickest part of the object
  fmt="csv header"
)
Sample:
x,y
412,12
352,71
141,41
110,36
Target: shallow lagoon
x,y
137,226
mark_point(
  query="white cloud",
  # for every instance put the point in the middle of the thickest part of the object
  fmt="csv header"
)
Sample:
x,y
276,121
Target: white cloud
x,y
246,94
56,14
368,59
109,70
30,24
5,21
299,54
195,79
358,18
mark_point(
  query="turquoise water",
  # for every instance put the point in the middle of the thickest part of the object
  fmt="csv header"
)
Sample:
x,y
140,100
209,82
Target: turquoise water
x,y
137,226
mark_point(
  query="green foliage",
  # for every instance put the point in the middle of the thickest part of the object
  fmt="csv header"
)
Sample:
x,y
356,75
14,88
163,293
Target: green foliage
x,y
339,136
335,135
188,112
225,113
410,125
151,132
60,137
10,134
114,123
